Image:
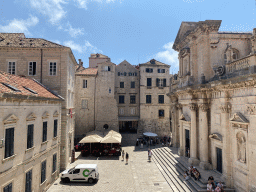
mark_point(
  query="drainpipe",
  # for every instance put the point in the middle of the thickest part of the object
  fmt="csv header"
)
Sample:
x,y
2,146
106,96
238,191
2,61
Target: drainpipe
x,y
41,78
94,101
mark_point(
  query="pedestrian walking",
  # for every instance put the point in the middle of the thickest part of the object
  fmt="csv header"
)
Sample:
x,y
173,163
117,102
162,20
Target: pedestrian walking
x,y
127,157
149,155
123,155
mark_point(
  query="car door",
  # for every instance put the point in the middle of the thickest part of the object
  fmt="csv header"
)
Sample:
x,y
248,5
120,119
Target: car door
x,y
77,175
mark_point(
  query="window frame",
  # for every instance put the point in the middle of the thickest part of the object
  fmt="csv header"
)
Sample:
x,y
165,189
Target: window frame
x,y
123,99
44,134
51,73
8,190
132,99
84,106
150,82
10,151
43,171
148,98
132,84
8,67
161,110
55,129
161,99
85,83
30,181
149,70
121,83
32,68
54,163
31,143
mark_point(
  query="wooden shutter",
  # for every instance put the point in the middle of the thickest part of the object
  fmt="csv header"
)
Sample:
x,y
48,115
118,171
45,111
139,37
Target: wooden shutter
x,y
164,83
157,82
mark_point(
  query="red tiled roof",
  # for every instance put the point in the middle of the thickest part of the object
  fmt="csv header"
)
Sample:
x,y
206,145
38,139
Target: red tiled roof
x,y
87,71
21,82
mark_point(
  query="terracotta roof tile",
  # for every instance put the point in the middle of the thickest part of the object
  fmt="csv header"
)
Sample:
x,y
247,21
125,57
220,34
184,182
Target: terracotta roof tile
x,y
19,40
20,83
87,71
154,62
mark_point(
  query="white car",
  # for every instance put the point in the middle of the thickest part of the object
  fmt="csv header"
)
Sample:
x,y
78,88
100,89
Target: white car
x,y
81,172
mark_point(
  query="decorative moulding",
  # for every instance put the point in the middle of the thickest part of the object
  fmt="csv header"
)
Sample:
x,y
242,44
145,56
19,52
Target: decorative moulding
x,y
55,114
185,118
31,117
216,136
239,119
45,115
11,119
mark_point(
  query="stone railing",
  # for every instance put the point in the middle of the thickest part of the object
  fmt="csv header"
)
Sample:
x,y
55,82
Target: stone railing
x,y
241,64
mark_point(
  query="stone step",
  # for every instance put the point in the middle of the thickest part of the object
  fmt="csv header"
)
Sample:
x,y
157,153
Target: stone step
x,y
171,172
178,168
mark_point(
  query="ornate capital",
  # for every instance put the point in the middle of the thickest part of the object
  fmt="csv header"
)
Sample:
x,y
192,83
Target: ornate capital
x,y
193,106
204,107
179,106
225,108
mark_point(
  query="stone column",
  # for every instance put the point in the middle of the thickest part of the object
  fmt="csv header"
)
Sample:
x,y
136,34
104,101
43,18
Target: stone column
x,y
227,161
204,137
193,160
179,126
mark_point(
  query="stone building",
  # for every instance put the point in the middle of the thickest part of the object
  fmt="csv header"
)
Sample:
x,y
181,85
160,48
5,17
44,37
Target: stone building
x,y
213,101
154,102
51,64
127,93
95,103
30,133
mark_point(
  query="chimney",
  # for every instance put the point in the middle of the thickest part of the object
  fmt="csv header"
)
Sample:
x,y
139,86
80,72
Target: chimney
x,y
80,62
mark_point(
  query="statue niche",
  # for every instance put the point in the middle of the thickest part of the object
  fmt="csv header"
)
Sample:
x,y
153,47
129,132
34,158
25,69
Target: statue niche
x,y
241,147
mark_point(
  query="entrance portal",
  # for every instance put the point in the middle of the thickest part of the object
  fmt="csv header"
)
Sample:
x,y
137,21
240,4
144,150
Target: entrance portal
x,y
219,159
128,126
187,143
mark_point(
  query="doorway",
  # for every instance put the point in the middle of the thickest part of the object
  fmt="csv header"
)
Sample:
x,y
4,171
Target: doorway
x,y
219,159
187,143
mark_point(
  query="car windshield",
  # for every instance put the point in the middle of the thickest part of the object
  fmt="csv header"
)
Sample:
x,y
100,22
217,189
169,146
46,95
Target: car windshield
x,y
70,170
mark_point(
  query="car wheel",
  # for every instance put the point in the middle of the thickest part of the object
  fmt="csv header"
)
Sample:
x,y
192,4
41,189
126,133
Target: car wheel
x,y
66,180
90,180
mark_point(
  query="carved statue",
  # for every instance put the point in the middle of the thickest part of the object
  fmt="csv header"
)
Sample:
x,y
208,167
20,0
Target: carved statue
x,y
241,147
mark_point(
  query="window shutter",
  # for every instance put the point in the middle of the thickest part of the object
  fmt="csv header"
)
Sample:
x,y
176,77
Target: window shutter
x,y
124,73
164,84
157,82
159,70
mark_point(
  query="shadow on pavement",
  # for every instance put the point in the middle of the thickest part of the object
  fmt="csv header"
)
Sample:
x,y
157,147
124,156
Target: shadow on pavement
x,y
78,183
90,157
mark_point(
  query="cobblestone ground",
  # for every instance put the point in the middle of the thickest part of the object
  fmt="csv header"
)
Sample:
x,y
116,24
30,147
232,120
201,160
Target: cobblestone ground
x,y
116,176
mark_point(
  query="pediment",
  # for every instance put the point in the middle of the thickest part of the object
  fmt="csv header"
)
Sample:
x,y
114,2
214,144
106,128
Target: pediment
x,y
56,114
45,115
31,117
239,118
216,136
11,119
184,118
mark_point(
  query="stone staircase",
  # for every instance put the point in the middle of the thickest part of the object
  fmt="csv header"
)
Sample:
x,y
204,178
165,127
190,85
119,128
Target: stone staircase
x,y
173,168
129,139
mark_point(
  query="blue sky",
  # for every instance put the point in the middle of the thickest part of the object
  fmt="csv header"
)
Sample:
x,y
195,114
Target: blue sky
x,y
132,30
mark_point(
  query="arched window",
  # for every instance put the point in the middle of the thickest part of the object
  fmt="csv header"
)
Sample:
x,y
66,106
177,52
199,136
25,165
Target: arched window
x,y
234,54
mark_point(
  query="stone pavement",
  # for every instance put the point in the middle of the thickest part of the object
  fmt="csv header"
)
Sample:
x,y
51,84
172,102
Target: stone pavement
x,y
138,176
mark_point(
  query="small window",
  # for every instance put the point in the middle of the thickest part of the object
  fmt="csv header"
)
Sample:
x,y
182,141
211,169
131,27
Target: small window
x,y
121,98
109,68
121,84
118,74
84,83
109,90
149,82
160,82
32,68
133,84
148,98
161,113
55,130
84,104
124,73
76,171
44,131
161,70
53,68
135,74
11,68
9,142
160,98
43,171
149,70
132,99
54,162
30,135
130,74
8,188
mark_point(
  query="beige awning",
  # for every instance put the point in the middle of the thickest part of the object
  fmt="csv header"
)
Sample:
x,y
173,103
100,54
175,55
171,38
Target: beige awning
x,y
92,137
113,134
111,139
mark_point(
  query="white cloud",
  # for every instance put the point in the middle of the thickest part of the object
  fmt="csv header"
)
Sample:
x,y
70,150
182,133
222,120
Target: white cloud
x,y
51,8
169,56
83,3
74,32
20,26
87,47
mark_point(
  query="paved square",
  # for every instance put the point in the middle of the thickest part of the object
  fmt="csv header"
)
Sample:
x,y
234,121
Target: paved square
x,y
138,175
